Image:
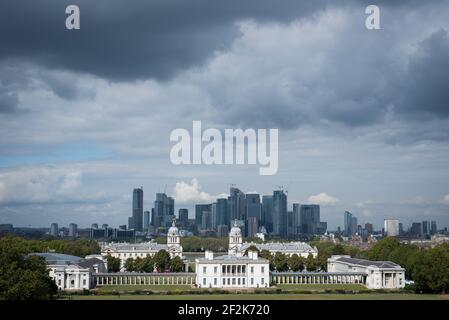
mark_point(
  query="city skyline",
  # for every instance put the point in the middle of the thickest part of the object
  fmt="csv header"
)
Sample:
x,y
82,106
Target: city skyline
x,y
362,114
305,217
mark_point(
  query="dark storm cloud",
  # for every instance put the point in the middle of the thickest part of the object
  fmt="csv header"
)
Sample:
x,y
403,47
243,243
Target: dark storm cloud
x,y
8,102
131,39
426,90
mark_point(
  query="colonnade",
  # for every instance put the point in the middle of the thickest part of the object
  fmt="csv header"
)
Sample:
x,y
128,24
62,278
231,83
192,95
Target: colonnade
x,y
102,279
317,278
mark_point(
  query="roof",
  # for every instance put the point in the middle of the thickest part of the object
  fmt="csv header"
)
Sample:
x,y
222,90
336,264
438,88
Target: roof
x,y
280,246
57,258
147,246
233,259
368,263
88,263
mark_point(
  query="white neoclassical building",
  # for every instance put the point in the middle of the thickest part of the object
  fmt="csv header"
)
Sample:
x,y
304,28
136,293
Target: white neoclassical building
x,y
379,274
71,272
123,251
232,271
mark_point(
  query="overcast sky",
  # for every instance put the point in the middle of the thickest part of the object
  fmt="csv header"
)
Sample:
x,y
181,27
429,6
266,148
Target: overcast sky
x,y
86,115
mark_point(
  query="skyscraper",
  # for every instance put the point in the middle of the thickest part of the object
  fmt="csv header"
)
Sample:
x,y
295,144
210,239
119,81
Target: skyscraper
x,y
213,220
416,229
296,219
253,206
222,212
164,211
146,220
137,212
54,230
201,213
267,213
73,230
391,227
309,218
237,205
252,227
433,228
183,217
425,228
279,213
369,228
348,224
354,226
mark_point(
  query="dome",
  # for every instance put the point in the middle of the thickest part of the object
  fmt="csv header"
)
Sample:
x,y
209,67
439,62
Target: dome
x,y
235,230
173,231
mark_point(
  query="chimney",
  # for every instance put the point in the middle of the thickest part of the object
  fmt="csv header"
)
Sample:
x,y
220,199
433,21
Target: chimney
x,y
252,255
209,255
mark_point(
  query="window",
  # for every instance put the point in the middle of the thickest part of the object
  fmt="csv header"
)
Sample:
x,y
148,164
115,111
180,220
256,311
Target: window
x,y
262,269
84,282
229,281
204,269
224,281
59,282
243,281
252,269
252,281
262,280
215,270
215,281
233,281
238,281
204,281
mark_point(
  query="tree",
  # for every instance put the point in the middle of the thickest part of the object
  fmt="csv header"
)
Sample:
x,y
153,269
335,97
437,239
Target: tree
x,y
161,260
148,264
265,254
23,277
176,265
296,263
113,263
310,263
381,251
139,264
280,262
129,265
432,270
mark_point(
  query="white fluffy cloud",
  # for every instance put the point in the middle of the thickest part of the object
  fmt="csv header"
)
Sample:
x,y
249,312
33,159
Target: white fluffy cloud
x,y
190,193
323,199
43,184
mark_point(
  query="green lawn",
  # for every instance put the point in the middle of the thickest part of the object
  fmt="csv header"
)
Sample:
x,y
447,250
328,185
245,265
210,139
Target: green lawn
x,y
314,296
321,287
127,288
286,287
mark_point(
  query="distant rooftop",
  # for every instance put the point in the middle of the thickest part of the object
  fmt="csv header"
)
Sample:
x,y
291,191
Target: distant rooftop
x,y
57,258
367,263
280,246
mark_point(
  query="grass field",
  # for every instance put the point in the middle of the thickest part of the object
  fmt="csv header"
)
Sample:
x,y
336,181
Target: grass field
x,y
321,287
284,287
125,288
313,296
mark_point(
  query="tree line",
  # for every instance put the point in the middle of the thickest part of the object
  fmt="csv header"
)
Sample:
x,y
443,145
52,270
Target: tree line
x,y
23,277
160,262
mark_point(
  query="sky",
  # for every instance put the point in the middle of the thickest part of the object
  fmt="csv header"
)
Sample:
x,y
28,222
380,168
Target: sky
x,y
86,115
